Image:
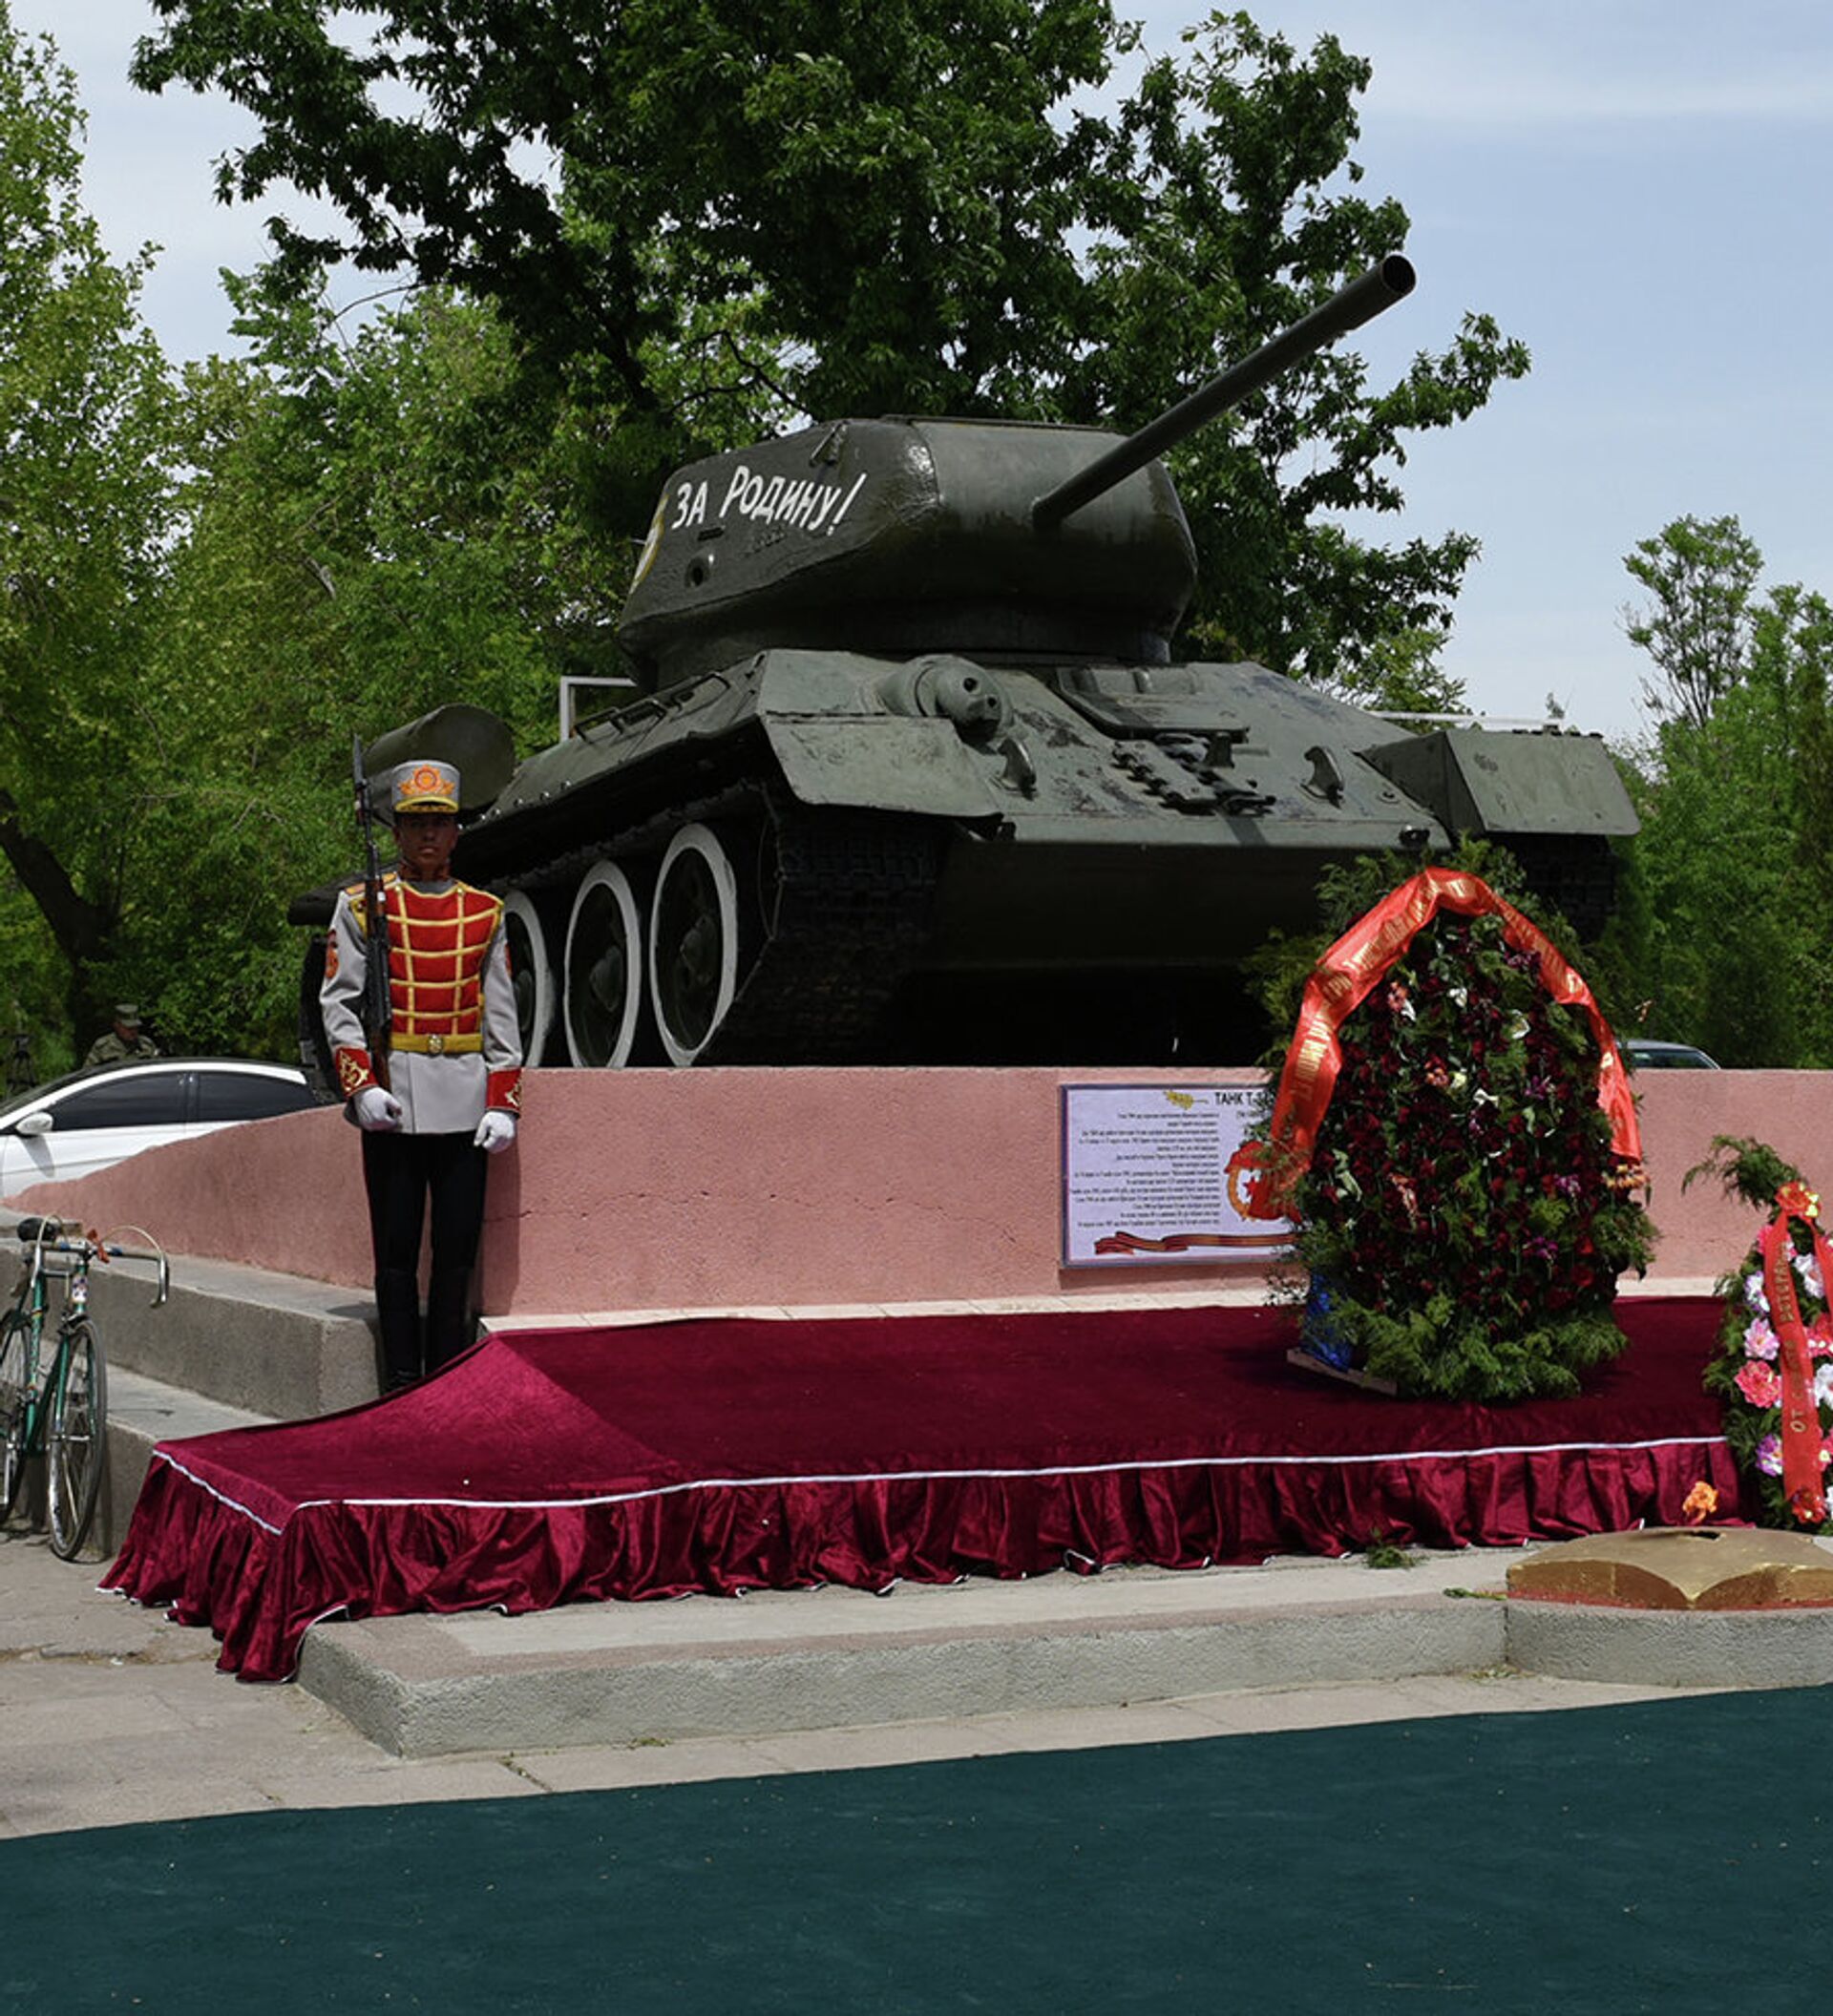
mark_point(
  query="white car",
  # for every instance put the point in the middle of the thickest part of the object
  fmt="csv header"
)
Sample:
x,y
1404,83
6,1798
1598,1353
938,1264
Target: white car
x,y
77,1124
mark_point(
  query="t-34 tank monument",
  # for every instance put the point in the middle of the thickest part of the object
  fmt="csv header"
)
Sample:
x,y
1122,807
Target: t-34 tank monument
x,y
916,776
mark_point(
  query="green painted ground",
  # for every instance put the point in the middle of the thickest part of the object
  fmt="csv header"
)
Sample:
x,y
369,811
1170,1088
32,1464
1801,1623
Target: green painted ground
x,y
1670,1856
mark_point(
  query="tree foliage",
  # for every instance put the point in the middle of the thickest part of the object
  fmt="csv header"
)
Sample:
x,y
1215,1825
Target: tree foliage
x,y
1232,170
208,582
85,476
886,173
703,223
1734,790
1700,575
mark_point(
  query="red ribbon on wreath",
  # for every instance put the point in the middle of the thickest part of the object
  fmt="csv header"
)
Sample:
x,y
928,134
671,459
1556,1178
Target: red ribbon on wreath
x,y
1346,976
1801,1481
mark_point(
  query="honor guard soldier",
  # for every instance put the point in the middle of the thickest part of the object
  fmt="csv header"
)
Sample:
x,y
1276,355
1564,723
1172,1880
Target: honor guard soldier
x,y
438,1088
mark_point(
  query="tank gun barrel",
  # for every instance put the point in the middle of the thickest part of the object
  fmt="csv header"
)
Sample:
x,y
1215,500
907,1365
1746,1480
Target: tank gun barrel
x,y
1390,279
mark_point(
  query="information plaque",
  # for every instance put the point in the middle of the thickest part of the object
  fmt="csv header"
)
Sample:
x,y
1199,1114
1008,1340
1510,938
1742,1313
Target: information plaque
x,y
1146,1176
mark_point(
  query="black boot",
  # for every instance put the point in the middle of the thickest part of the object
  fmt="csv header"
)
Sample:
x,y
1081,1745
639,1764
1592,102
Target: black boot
x,y
449,1330
397,1309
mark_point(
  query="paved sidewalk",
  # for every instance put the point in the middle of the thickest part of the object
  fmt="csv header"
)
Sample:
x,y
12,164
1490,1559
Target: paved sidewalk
x,y
109,1714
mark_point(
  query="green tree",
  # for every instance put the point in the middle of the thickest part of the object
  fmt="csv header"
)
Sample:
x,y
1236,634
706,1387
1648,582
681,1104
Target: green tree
x,y
1729,956
85,479
703,223
1734,790
1401,671
1700,574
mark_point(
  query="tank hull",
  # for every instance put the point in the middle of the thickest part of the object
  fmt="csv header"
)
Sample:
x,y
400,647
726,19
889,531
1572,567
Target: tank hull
x,y
828,856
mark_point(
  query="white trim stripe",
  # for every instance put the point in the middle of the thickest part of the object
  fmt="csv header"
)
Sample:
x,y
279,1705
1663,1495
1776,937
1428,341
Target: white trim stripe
x,y
163,1456
917,1476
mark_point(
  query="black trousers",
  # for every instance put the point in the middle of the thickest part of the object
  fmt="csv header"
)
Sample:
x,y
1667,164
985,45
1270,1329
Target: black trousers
x,y
402,1174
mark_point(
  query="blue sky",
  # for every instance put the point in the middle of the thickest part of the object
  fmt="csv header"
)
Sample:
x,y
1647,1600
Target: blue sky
x,y
1636,188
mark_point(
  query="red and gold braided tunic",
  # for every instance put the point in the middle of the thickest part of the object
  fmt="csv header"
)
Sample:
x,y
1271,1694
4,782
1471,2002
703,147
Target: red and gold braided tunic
x,y
455,1048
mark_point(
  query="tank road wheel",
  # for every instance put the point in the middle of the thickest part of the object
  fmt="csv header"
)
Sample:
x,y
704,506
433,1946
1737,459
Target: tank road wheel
x,y
693,941
604,992
532,970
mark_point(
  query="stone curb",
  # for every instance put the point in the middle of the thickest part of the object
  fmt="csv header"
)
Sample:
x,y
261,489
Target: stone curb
x,y
423,1687
1577,1641
426,1687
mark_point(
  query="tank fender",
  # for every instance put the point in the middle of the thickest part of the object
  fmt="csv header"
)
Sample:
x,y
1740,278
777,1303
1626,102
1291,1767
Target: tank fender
x,y
1479,781
843,734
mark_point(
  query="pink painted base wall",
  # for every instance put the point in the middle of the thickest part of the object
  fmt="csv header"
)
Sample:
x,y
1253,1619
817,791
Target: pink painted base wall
x,y
662,1189
1702,1231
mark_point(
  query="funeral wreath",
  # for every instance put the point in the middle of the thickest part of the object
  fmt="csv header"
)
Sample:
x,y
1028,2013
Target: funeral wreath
x,y
1462,1190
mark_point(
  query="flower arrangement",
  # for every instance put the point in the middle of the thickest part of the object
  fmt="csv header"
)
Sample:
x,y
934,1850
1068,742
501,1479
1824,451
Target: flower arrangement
x,y
1776,1311
1463,1212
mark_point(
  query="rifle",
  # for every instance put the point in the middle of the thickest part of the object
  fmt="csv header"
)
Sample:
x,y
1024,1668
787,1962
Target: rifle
x,y
377,1014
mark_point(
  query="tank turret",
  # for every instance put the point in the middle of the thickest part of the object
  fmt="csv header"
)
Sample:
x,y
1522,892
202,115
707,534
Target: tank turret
x,y
995,539
917,776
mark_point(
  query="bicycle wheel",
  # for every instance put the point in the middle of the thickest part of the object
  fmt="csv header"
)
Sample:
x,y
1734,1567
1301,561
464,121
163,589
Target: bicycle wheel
x,y
15,1335
76,1447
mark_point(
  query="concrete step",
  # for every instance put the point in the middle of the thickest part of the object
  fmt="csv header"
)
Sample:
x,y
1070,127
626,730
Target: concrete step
x,y
237,1346
780,1663
268,1343
795,1660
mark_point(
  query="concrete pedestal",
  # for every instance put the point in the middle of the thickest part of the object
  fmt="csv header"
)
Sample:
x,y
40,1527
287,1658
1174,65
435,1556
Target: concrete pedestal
x,y
764,1189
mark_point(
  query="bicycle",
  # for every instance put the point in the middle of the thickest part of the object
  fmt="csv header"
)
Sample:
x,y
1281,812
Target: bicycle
x,y
53,1402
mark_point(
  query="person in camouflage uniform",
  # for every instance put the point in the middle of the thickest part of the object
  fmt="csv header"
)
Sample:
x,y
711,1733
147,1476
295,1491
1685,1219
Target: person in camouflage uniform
x,y
123,1042
453,1072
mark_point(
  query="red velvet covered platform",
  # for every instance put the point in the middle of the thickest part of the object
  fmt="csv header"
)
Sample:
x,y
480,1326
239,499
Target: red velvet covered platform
x,y
724,1454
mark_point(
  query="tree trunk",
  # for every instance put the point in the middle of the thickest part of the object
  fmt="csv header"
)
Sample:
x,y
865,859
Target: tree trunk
x,y
83,929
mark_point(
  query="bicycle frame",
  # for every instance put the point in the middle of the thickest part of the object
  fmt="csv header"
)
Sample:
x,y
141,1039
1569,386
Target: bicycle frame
x,y
24,1425
56,1402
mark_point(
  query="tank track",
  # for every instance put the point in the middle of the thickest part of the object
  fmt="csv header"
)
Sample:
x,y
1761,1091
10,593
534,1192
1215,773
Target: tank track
x,y
843,919
854,897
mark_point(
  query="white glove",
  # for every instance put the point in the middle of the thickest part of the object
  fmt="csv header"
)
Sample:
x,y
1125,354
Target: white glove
x,y
377,1112
495,1131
